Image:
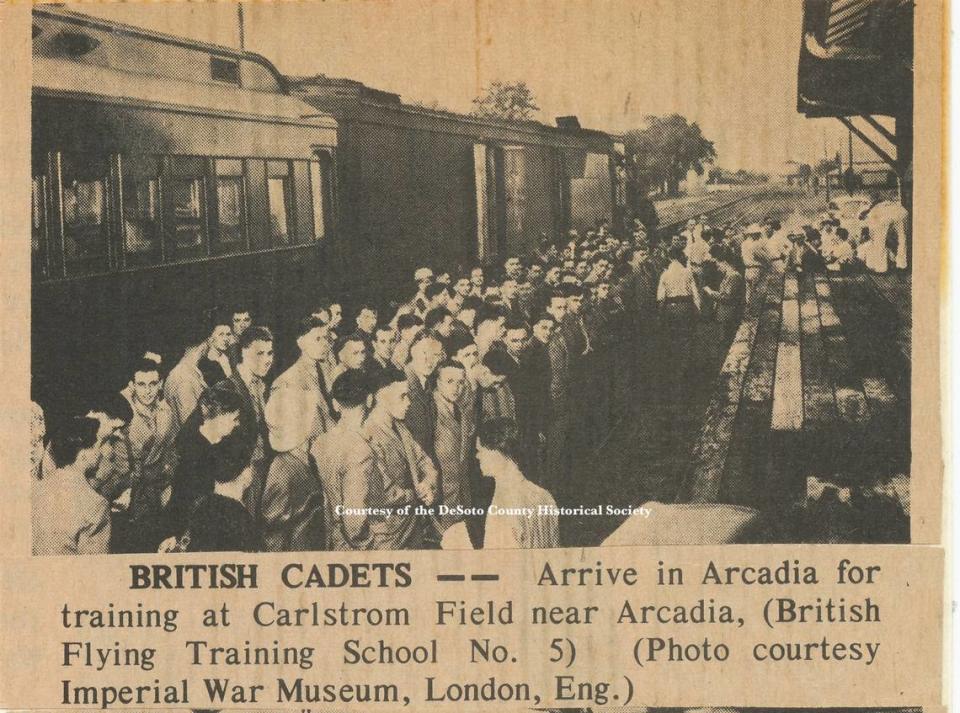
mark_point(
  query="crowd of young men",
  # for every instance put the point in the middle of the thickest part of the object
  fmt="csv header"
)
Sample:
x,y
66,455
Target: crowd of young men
x,y
379,414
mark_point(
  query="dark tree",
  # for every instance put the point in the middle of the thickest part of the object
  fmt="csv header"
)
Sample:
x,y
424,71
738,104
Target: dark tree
x,y
504,100
661,153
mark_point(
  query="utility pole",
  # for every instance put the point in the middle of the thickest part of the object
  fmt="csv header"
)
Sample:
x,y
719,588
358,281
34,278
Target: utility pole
x,y
849,162
240,26
826,175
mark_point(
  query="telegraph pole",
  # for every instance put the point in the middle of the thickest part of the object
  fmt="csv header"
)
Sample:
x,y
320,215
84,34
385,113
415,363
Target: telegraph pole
x,y
240,26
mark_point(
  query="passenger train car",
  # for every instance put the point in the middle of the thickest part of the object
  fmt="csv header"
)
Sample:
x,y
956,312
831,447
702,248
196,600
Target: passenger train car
x,y
169,176
172,176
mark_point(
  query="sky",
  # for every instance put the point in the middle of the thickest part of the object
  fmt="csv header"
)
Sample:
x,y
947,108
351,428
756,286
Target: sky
x,y
729,65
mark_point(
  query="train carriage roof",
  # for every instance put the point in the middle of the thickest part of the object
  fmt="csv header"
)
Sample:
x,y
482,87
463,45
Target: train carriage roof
x,y
81,57
53,77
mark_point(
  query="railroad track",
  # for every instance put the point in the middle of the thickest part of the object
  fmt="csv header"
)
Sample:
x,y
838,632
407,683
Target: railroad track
x,y
740,211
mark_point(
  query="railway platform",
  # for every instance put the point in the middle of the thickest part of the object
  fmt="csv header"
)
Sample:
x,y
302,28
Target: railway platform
x,y
815,384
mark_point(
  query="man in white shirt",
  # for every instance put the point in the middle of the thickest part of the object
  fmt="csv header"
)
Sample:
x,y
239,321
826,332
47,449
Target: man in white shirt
x,y
677,283
750,253
69,516
777,246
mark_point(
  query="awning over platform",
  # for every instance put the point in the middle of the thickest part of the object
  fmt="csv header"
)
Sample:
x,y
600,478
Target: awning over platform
x,y
856,58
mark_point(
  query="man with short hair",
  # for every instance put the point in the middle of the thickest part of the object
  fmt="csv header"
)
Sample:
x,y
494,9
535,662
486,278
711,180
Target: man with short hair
x,y
558,420
426,354
215,365
69,516
436,295
249,380
513,269
439,321
345,464
300,407
220,522
466,320
557,307
494,395
527,383
351,353
509,298
477,282
489,329
211,434
241,318
453,441
152,432
300,410
384,342
727,299
463,350
366,322
404,476
185,382
463,287
115,473
408,327
572,326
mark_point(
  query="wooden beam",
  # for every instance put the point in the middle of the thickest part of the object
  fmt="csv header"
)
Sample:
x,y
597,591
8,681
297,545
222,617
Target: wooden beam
x,y
869,142
819,405
881,129
787,414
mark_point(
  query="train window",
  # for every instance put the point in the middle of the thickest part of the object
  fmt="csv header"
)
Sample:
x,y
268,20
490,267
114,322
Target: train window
x,y
84,180
185,207
141,209
280,201
231,204
225,70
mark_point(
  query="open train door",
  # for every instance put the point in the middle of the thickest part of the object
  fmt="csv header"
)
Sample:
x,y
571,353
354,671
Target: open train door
x,y
515,198
491,203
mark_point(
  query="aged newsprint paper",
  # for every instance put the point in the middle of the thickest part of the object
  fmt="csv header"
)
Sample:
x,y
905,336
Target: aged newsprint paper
x,y
472,355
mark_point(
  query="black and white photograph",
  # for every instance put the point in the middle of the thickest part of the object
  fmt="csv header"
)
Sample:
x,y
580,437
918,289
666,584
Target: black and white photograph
x,y
349,275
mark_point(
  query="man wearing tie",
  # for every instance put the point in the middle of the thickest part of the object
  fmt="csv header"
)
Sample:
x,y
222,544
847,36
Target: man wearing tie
x,y
426,354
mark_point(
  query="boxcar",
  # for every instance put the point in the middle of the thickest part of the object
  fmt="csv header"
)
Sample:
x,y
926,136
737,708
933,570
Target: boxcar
x,y
428,187
169,177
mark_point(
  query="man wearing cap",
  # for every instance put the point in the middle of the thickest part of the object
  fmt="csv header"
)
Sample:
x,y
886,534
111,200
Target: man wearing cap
x,y
423,276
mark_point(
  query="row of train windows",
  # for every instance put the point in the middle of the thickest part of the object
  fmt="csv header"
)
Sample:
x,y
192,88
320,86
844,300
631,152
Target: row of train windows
x,y
95,213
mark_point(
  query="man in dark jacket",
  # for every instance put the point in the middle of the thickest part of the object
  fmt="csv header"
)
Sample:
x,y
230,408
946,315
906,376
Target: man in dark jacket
x,y
426,354
530,382
210,435
218,521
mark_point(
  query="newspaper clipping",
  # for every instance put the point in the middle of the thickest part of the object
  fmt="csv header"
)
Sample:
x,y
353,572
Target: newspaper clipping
x,y
472,355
